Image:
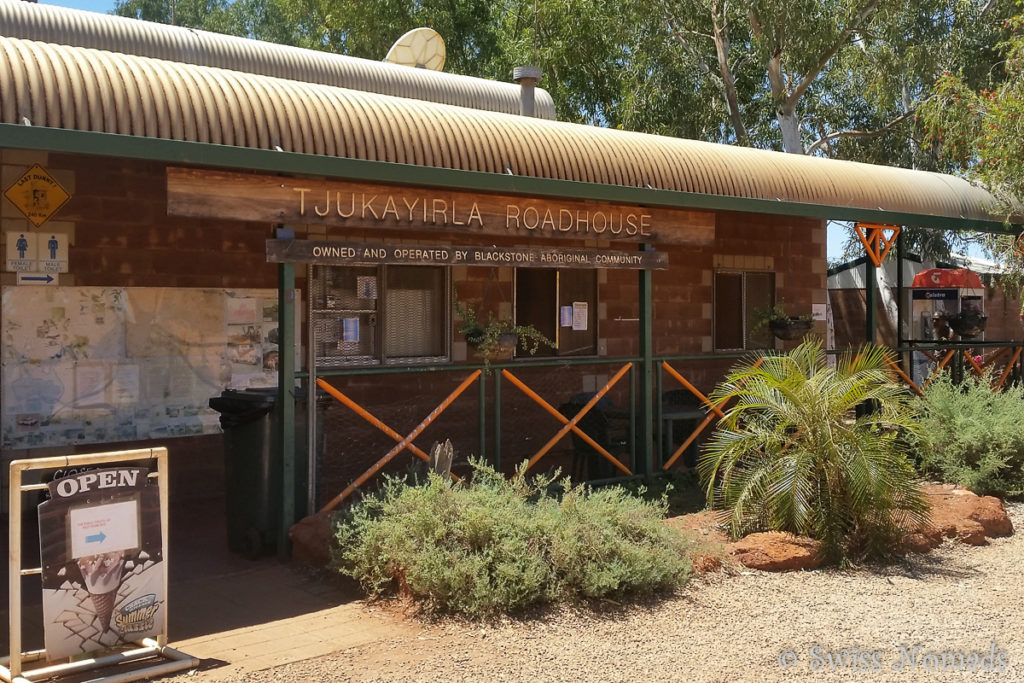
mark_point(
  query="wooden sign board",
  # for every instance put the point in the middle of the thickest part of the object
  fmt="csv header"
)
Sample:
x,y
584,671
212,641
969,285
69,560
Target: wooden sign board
x,y
101,550
297,201
331,253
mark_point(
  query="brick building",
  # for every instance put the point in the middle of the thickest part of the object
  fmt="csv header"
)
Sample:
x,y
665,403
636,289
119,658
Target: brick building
x,y
183,153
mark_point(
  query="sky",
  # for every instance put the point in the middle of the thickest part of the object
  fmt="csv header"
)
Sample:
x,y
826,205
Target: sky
x,y
102,6
836,235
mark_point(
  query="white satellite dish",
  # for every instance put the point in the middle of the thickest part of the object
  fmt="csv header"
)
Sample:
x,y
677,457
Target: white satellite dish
x,y
421,47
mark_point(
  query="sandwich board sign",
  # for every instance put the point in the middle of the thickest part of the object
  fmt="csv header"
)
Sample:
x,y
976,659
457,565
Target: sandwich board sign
x,y
101,554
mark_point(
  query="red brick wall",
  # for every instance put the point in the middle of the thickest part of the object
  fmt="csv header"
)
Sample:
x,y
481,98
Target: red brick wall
x,y
121,236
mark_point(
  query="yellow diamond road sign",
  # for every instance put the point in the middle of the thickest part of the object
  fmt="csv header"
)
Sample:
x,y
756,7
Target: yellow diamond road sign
x,y
37,195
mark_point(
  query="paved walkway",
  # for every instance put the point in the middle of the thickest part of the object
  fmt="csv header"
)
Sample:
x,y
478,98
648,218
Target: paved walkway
x,y
234,614
270,615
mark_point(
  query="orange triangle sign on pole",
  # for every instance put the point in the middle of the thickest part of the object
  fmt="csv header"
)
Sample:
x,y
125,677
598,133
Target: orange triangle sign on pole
x,y
877,240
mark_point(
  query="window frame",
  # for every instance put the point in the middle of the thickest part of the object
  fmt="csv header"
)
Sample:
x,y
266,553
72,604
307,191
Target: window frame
x,y
318,278
748,344
593,322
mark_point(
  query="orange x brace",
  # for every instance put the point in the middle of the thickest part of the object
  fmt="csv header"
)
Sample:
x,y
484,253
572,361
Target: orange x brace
x,y
402,444
716,410
571,424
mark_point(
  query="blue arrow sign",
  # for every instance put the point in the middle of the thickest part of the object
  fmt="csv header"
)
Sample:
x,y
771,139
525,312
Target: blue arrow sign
x,y
96,538
37,278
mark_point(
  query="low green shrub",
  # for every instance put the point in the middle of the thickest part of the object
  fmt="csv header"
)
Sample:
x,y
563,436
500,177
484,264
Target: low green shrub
x,y
973,435
493,544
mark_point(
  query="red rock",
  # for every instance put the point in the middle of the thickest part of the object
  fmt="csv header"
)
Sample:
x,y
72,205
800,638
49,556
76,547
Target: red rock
x,y
922,541
311,540
958,513
776,551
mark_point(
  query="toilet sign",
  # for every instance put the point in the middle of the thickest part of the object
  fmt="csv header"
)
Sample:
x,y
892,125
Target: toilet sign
x,y
37,253
102,554
37,195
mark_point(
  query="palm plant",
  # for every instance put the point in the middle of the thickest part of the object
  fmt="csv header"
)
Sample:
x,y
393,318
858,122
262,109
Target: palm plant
x,y
797,451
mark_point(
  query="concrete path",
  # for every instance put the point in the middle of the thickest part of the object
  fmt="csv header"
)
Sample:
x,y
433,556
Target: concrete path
x,y
271,615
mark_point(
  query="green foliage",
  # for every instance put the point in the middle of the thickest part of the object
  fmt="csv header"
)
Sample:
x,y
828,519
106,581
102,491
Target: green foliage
x,y
487,337
978,128
259,19
763,317
971,435
498,545
793,455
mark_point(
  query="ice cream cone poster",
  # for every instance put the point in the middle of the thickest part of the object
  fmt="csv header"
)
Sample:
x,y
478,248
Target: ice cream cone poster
x,y
101,552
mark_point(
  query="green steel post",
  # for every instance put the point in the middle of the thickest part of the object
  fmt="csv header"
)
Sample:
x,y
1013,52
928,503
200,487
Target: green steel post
x,y
286,402
646,368
482,420
497,420
870,299
659,391
632,417
900,284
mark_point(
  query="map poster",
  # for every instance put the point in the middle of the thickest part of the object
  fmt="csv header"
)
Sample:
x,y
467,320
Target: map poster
x,y
100,364
102,561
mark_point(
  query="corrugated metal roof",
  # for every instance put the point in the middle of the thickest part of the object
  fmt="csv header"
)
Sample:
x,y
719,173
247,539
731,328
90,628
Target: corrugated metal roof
x,y
85,89
51,24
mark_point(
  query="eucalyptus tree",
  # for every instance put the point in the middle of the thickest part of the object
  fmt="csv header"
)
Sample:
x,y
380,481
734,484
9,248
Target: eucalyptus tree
x,y
814,76
258,19
980,128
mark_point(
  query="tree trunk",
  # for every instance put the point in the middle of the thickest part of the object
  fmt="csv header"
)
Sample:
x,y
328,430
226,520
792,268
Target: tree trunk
x,y
789,124
721,38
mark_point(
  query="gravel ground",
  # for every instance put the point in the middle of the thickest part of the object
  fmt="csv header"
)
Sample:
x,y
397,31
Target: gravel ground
x,y
752,626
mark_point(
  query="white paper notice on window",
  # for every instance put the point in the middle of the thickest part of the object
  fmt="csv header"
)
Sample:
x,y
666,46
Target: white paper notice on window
x,y
350,330
565,316
579,315
366,287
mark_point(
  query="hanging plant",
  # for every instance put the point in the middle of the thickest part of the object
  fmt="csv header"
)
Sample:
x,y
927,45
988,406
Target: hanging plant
x,y
783,326
968,323
497,337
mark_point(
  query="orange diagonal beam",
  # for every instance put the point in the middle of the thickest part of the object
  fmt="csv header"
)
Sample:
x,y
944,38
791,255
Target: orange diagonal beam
x,y
903,375
1009,367
970,359
940,368
700,428
402,444
889,241
571,424
860,230
693,390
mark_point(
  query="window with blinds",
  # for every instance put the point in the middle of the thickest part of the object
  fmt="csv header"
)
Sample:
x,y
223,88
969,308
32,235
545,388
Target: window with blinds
x,y
379,314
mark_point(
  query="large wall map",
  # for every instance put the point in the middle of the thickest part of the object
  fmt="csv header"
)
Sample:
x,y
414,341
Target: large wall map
x,y
97,364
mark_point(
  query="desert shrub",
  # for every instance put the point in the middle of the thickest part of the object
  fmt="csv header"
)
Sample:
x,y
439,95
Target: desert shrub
x,y
793,454
493,545
973,435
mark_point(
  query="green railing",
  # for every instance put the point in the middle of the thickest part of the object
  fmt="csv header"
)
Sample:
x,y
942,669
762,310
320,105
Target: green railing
x,y
514,409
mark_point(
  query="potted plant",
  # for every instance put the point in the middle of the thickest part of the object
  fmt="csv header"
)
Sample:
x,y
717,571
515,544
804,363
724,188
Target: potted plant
x,y
497,337
968,323
782,325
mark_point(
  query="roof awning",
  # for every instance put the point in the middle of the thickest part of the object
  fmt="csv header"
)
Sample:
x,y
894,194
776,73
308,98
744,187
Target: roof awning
x,y
83,89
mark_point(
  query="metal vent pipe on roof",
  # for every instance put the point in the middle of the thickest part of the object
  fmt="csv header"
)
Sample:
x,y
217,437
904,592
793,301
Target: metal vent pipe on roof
x,y
527,77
